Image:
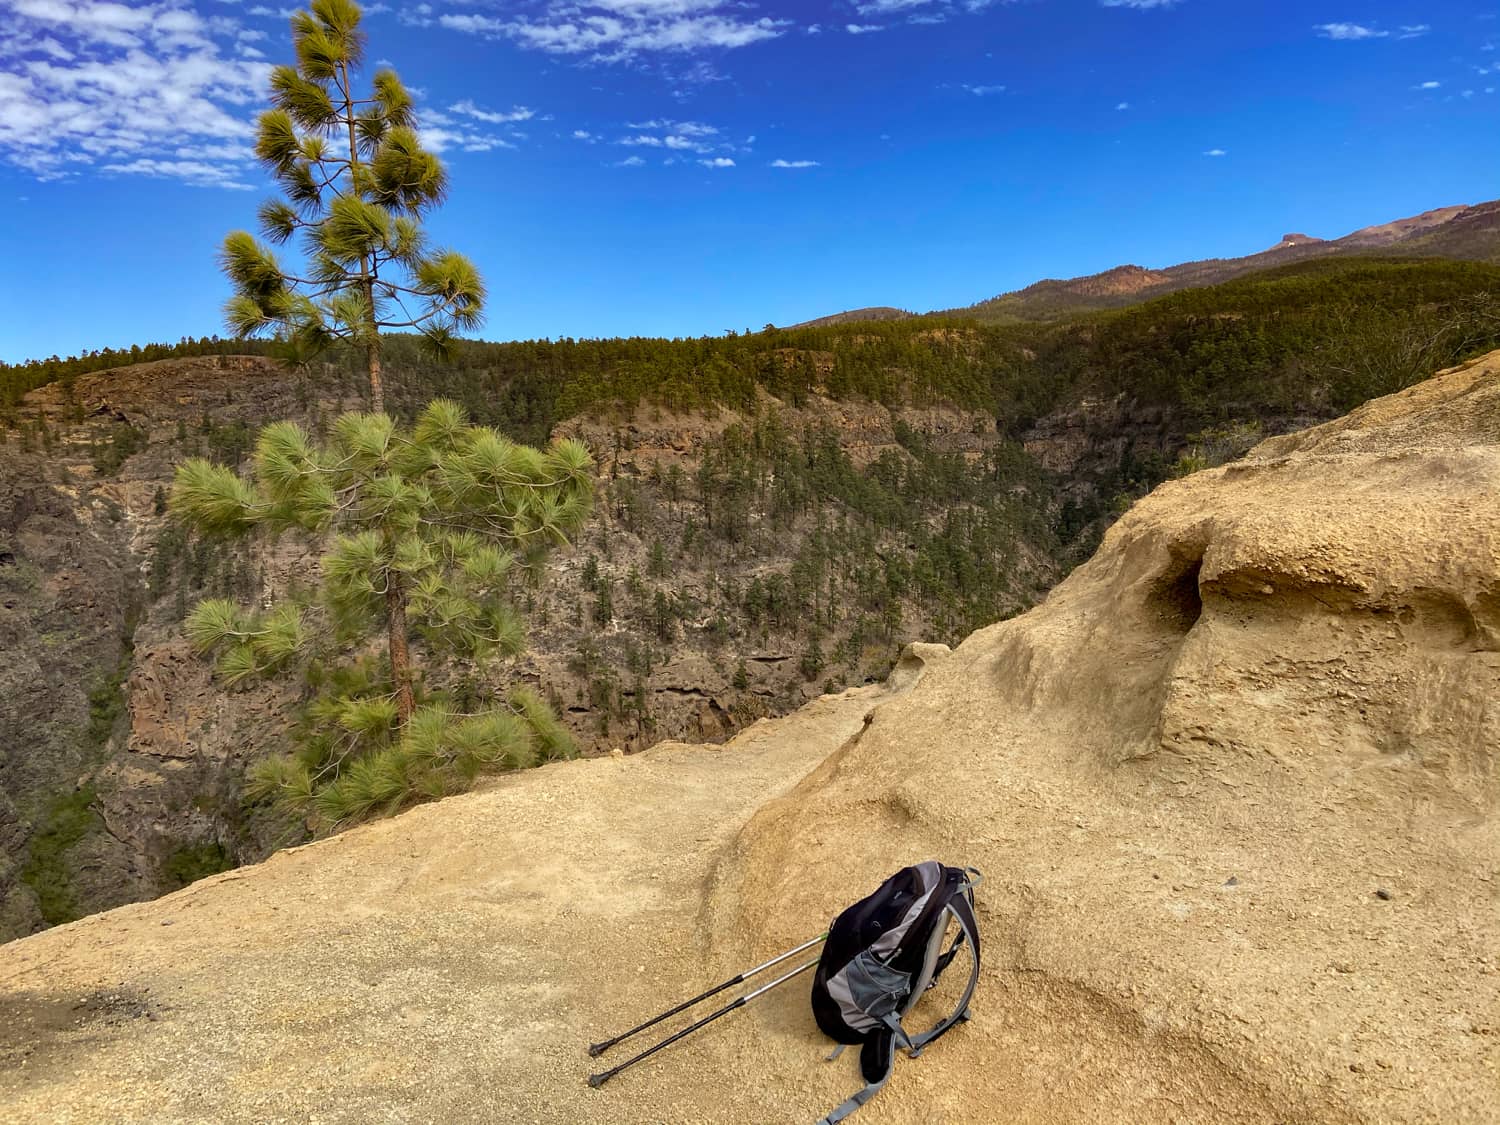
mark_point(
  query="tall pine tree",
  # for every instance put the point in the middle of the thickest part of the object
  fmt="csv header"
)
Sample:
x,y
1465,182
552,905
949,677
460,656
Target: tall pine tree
x,y
357,183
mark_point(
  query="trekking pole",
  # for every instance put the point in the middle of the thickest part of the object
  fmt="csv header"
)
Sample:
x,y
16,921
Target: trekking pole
x,y
597,1080
597,1049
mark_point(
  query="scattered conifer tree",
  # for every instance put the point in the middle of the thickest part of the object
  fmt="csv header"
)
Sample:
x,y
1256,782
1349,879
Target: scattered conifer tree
x,y
357,183
425,530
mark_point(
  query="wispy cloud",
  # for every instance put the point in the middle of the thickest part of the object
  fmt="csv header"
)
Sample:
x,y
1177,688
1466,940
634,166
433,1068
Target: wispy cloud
x,y
621,30
887,7
718,162
984,91
794,164
442,132
1414,31
158,89
1122,106
467,108
1349,32
1216,152
684,137
1427,86
146,90
1141,4
862,28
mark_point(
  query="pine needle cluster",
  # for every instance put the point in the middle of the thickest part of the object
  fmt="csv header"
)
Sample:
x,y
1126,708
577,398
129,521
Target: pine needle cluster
x,y
426,531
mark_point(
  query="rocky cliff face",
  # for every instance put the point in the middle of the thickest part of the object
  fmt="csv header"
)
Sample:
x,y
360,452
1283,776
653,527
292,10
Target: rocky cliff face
x,y
121,760
120,764
1233,786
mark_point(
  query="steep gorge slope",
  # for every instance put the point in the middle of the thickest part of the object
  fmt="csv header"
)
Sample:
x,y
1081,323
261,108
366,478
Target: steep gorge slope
x,y
121,759
1233,785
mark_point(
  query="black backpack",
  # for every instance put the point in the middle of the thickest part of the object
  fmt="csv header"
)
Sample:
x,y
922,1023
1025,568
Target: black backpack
x,y
881,955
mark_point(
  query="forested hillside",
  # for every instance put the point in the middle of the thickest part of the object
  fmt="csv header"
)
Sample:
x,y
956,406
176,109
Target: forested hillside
x,y
778,513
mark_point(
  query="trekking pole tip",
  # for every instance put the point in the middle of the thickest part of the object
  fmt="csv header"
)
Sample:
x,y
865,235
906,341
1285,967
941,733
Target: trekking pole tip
x,y
597,1049
597,1080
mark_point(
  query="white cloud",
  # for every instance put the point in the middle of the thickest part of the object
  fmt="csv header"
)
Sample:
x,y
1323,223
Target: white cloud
x,y
862,28
1414,31
1216,152
885,7
1122,106
1427,86
717,162
984,91
620,30
198,172
468,109
629,162
584,135
473,130
1349,32
416,15
127,90
679,136
794,164
685,128
1140,4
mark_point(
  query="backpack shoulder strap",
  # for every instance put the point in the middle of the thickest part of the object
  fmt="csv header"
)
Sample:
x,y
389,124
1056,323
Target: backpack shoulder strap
x,y
963,910
876,1059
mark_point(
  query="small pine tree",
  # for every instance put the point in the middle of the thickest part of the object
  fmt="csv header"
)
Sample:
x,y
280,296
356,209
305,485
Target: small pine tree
x,y
657,565
423,531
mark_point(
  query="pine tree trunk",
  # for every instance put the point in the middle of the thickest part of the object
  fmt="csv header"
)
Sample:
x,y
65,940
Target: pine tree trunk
x,y
366,274
395,618
377,390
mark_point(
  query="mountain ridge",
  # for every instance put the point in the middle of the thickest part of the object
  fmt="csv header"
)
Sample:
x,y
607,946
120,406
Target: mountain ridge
x,y
1462,231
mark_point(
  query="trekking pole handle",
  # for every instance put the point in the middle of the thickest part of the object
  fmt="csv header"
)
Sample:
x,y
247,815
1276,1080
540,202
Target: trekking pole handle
x,y
597,1049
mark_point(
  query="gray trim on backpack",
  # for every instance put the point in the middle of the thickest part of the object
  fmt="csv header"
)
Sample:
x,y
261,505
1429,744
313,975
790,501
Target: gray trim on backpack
x,y
963,911
845,1108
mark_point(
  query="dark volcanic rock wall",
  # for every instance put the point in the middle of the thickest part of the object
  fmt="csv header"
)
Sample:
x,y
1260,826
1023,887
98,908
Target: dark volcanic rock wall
x,y
98,805
67,587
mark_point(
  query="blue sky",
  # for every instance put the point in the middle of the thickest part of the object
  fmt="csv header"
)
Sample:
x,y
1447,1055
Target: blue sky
x,y
684,167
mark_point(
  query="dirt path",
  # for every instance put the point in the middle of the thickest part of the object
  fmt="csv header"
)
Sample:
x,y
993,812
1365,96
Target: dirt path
x,y
373,977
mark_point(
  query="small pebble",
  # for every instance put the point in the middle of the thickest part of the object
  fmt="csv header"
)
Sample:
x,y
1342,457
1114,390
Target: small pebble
x,y
1383,894
1232,881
